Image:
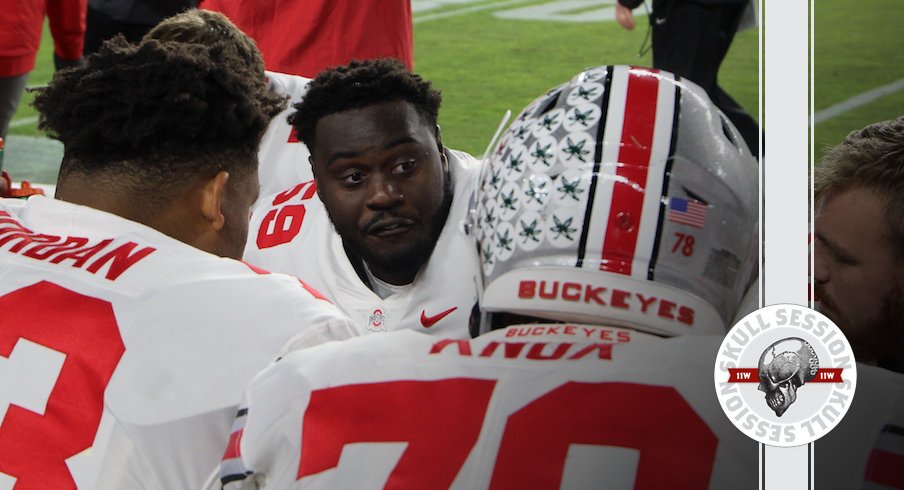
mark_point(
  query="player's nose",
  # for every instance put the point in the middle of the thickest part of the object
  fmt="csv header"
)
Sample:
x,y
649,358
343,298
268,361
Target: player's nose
x,y
383,192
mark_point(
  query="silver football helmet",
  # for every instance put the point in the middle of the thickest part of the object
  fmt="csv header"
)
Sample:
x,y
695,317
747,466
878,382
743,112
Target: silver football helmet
x,y
623,197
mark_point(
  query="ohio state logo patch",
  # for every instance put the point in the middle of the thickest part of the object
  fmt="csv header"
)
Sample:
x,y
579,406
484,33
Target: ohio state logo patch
x,y
376,321
785,375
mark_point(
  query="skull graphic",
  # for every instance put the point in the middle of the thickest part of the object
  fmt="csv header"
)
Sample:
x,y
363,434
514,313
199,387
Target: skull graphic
x,y
784,367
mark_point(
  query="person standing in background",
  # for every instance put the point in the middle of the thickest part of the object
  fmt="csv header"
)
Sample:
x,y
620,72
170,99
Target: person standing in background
x,y
306,37
20,37
131,18
691,39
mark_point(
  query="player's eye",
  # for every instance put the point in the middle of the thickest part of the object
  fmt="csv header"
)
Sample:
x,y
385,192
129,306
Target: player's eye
x,y
839,256
404,167
352,179
844,259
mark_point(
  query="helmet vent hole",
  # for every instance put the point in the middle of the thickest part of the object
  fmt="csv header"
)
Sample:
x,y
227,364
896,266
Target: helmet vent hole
x,y
727,132
550,103
694,195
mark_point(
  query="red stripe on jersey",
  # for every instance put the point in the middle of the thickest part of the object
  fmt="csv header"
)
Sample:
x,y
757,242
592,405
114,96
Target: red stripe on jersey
x,y
233,449
634,162
884,468
256,269
307,287
293,136
315,293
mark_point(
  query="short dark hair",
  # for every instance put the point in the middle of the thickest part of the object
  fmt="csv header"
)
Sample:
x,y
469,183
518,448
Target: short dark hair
x,y
871,158
362,84
160,111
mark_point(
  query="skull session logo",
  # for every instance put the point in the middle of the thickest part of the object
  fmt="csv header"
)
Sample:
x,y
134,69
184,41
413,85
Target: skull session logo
x,y
782,373
785,375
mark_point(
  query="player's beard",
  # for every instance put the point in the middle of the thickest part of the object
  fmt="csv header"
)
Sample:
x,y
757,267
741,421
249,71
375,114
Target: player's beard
x,y
409,260
877,338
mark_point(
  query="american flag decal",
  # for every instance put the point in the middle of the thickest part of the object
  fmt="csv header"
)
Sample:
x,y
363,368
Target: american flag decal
x,y
687,212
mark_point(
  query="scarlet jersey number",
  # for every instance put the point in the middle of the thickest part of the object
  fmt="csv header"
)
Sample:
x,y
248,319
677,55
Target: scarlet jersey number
x,y
281,224
607,414
445,417
39,324
436,418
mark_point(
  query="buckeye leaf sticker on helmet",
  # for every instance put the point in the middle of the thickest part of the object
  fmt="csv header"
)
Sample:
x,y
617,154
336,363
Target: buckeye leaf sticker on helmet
x,y
622,197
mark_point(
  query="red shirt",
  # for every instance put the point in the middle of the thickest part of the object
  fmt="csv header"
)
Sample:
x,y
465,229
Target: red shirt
x,y
20,32
304,37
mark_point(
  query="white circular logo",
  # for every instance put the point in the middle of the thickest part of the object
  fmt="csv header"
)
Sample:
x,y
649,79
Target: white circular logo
x,y
785,375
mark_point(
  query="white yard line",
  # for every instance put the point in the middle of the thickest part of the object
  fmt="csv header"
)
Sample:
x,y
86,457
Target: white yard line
x,y
25,121
467,10
857,101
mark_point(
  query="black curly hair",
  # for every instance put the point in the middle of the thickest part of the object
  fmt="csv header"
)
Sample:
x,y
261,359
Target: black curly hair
x,y
362,84
207,27
159,112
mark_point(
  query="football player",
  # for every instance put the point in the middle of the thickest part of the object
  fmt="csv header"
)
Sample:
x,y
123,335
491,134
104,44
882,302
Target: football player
x,y
866,448
291,231
859,284
378,228
859,227
621,204
128,331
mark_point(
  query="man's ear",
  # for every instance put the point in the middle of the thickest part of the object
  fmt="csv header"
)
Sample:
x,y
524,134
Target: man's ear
x,y
437,133
213,192
314,173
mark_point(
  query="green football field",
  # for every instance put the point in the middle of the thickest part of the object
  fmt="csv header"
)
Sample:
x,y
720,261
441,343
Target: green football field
x,y
858,54
489,56
487,61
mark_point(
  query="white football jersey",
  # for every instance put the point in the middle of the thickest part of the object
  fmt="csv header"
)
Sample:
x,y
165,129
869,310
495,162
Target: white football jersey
x,y
124,352
866,449
531,406
283,158
291,232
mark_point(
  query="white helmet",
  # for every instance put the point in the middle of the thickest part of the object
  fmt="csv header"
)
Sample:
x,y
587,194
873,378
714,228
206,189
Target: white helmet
x,y
623,197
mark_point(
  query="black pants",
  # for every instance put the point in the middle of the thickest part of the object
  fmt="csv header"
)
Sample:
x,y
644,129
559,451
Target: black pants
x,y
691,40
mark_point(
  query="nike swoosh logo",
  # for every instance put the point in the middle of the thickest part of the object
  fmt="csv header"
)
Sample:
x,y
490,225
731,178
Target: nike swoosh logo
x,y
429,321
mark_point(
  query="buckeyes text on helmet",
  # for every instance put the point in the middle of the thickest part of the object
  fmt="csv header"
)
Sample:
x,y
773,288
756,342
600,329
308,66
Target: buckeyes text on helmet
x,y
621,197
